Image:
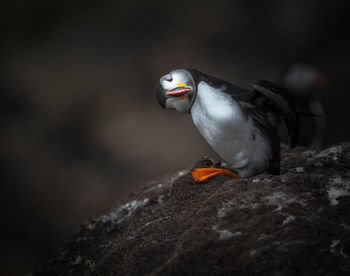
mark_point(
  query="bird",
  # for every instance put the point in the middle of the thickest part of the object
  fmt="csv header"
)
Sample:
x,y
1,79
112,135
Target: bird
x,y
305,84
240,124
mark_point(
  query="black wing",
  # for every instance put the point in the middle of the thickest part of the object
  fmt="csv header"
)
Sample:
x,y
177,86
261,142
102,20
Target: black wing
x,y
283,104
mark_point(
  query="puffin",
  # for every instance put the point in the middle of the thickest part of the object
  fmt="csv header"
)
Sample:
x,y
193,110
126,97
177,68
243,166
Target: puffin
x,y
241,125
305,84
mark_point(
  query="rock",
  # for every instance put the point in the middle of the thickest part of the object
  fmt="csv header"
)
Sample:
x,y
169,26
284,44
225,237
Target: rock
x,y
294,223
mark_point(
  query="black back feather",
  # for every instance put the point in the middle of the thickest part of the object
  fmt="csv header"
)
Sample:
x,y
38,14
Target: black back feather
x,y
283,103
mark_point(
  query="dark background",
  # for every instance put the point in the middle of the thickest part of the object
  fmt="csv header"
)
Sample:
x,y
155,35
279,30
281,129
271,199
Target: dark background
x,y
80,126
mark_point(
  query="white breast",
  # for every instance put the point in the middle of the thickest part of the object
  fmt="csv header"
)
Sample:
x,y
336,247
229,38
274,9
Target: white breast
x,y
221,122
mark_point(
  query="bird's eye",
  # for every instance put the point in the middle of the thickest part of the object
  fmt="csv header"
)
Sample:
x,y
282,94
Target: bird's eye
x,y
168,78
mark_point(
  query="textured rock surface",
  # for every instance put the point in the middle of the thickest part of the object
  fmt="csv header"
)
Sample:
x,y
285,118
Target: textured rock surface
x,y
294,223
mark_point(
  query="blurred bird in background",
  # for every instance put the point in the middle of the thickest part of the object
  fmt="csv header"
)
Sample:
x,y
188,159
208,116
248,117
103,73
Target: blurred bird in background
x,y
306,84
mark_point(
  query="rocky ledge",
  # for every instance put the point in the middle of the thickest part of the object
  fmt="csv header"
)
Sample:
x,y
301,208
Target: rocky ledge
x,y
297,223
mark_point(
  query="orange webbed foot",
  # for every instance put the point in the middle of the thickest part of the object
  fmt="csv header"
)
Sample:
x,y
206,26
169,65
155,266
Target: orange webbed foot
x,y
202,174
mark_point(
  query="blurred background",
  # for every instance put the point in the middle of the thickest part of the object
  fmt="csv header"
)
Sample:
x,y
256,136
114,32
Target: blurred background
x,y
80,126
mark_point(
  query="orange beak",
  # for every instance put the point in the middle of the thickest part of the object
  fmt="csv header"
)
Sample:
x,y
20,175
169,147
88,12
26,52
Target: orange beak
x,y
178,91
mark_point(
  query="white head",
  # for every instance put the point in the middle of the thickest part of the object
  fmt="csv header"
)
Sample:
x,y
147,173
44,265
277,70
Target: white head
x,y
302,78
177,90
